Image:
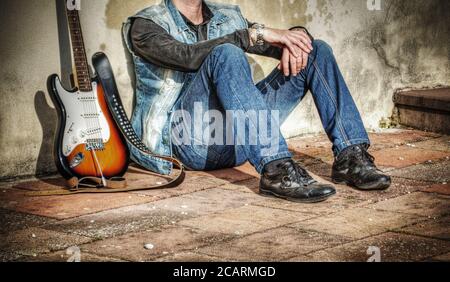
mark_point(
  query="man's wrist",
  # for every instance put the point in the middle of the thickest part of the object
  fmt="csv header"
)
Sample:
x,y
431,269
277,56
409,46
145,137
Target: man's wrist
x,y
252,36
258,34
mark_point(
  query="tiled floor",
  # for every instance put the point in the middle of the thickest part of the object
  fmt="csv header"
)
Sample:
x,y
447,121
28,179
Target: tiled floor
x,y
218,216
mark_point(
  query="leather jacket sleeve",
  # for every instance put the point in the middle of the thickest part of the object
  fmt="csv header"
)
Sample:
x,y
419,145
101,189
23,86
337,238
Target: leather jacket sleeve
x,y
154,44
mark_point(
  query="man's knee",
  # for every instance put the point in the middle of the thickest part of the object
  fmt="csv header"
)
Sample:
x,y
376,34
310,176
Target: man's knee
x,y
322,48
228,51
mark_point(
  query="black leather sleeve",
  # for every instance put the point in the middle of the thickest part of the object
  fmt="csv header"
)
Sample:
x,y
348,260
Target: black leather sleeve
x,y
154,44
157,46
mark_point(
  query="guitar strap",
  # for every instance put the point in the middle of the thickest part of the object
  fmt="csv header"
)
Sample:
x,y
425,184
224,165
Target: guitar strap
x,y
89,185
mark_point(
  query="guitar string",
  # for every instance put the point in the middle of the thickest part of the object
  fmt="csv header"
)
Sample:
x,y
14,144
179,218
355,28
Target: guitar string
x,y
81,84
94,118
90,106
74,37
81,75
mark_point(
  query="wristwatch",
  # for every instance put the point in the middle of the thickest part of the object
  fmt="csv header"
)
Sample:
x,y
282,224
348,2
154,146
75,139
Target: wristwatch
x,y
259,28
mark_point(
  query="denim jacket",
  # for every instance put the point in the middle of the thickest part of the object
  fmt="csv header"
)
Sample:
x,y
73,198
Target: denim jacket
x,y
157,88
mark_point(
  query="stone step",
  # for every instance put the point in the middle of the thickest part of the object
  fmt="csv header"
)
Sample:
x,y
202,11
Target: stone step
x,y
425,109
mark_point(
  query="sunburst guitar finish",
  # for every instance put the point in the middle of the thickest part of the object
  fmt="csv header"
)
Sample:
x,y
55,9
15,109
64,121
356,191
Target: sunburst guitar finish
x,y
88,142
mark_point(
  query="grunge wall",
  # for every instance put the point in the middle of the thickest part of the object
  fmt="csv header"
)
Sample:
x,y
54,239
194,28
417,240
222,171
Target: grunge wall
x,y
406,44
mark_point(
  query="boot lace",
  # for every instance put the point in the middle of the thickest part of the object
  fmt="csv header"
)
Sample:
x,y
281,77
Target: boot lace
x,y
366,159
295,173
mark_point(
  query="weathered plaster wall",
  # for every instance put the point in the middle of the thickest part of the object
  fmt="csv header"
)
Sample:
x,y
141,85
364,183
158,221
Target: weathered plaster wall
x,y
405,44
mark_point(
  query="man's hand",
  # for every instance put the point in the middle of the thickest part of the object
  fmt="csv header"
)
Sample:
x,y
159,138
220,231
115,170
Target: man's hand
x,y
296,44
290,65
292,39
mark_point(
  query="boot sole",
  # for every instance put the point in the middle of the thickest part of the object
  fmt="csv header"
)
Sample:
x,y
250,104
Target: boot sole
x,y
369,187
271,194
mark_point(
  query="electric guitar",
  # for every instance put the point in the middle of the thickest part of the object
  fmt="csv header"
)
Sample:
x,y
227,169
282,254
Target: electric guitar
x,y
88,141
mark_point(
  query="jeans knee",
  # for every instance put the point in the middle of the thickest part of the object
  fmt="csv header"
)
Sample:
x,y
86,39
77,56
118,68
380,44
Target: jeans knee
x,y
228,51
322,48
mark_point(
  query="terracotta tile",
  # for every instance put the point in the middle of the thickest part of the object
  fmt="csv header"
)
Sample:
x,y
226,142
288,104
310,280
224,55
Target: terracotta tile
x,y
442,258
45,184
418,203
348,197
135,178
435,228
244,220
391,138
382,140
245,186
165,241
313,156
306,142
214,216
119,221
437,172
310,150
194,181
276,244
190,185
321,169
393,247
335,204
189,257
9,256
61,207
436,144
313,149
443,189
248,169
63,256
358,223
231,175
12,221
301,259
34,241
207,202
399,187
405,156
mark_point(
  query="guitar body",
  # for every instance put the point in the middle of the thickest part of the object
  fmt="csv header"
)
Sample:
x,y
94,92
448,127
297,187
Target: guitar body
x,y
88,142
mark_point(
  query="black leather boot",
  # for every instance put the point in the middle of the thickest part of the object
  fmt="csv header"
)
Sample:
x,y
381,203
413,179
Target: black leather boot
x,y
356,167
291,182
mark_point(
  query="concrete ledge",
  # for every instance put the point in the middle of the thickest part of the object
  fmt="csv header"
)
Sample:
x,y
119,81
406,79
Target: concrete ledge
x,y
425,109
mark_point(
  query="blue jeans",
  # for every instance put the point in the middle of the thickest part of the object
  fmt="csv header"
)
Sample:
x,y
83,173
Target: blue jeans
x,y
224,84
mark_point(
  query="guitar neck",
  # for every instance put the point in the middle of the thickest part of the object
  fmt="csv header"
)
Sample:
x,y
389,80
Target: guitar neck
x,y
79,52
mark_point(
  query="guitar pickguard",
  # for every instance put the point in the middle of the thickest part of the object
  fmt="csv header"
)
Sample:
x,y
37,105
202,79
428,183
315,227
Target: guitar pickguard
x,y
85,121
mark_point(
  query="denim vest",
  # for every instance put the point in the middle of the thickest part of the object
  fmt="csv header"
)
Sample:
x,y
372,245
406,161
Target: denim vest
x,y
158,88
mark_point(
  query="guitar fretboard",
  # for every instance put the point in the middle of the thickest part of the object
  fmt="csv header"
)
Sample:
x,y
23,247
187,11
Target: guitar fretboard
x,y
79,52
